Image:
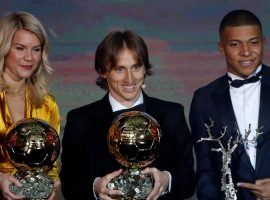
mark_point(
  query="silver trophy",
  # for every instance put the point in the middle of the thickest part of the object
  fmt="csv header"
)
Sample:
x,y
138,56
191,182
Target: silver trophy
x,y
226,180
32,146
133,140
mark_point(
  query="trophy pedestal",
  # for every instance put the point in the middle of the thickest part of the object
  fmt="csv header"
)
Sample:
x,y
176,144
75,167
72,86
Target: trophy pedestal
x,y
36,185
133,184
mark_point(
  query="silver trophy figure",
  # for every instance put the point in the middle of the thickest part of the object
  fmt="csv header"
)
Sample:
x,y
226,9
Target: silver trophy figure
x,y
226,181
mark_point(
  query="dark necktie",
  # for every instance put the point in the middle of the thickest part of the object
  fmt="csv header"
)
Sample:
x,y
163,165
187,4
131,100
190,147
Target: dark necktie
x,y
139,107
238,83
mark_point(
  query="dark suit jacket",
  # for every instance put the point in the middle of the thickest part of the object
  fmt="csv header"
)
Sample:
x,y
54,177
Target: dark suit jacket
x,y
85,154
213,101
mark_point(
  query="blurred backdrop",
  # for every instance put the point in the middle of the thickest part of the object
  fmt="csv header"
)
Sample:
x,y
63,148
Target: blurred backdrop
x,y
181,35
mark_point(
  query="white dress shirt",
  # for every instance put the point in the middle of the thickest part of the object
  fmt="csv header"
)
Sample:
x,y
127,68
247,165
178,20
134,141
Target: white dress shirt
x,y
118,106
246,104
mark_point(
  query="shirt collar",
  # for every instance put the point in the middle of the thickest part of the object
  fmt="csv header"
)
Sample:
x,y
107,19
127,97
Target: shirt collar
x,y
118,106
233,76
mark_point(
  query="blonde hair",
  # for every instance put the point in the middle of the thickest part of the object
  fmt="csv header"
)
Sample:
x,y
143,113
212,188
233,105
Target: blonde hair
x,y
9,24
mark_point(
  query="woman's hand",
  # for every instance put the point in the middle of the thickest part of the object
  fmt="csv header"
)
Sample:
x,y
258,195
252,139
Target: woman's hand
x,y
5,181
56,187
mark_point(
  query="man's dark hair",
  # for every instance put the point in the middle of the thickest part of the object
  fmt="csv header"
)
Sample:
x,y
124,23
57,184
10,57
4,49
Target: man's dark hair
x,y
108,51
239,18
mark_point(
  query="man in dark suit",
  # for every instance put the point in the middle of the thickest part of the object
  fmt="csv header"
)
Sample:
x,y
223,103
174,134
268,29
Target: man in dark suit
x,y
239,101
87,165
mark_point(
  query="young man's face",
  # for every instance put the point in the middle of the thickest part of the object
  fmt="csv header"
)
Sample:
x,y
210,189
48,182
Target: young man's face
x,y
126,78
243,49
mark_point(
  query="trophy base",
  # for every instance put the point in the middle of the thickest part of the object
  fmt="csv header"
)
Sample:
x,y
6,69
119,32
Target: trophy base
x,y
133,184
36,185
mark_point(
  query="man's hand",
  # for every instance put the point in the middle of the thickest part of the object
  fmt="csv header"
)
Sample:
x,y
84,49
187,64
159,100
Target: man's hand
x,y
100,186
261,188
161,182
5,181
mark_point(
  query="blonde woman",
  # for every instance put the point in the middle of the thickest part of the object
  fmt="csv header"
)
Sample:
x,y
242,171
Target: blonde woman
x,y
24,68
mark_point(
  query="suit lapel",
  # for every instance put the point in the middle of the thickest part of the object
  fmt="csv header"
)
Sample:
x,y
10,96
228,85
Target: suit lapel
x,y
224,107
264,113
264,116
227,117
149,108
105,106
104,114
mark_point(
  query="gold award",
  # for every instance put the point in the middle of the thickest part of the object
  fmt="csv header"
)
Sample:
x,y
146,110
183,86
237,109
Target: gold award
x,y
32,146
133,139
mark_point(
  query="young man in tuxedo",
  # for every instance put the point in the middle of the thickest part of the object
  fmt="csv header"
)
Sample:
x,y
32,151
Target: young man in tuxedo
x,y
239,100
87,165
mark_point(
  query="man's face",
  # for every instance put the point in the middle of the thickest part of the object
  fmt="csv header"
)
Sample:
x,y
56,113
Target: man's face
x,y
126,78
243,49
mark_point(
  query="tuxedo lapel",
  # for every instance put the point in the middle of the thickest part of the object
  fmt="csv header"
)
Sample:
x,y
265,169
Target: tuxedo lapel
x,y
264,116
227,117
104,114
224,107
106,107
264,113
149,107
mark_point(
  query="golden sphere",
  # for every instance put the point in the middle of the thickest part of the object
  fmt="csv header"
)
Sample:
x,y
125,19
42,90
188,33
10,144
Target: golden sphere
x,y
32,143
134,138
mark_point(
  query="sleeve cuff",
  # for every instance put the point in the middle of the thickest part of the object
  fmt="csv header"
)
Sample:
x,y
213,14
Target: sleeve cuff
x,y
170,183
95,195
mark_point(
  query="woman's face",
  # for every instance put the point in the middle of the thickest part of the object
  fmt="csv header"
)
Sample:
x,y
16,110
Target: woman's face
x,y
24,55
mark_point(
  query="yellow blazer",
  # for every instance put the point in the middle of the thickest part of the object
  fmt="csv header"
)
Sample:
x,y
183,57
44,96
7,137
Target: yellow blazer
x,y
48,111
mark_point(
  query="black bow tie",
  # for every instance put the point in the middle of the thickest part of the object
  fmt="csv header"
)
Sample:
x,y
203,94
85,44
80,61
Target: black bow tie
x,y
139,107
238,83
